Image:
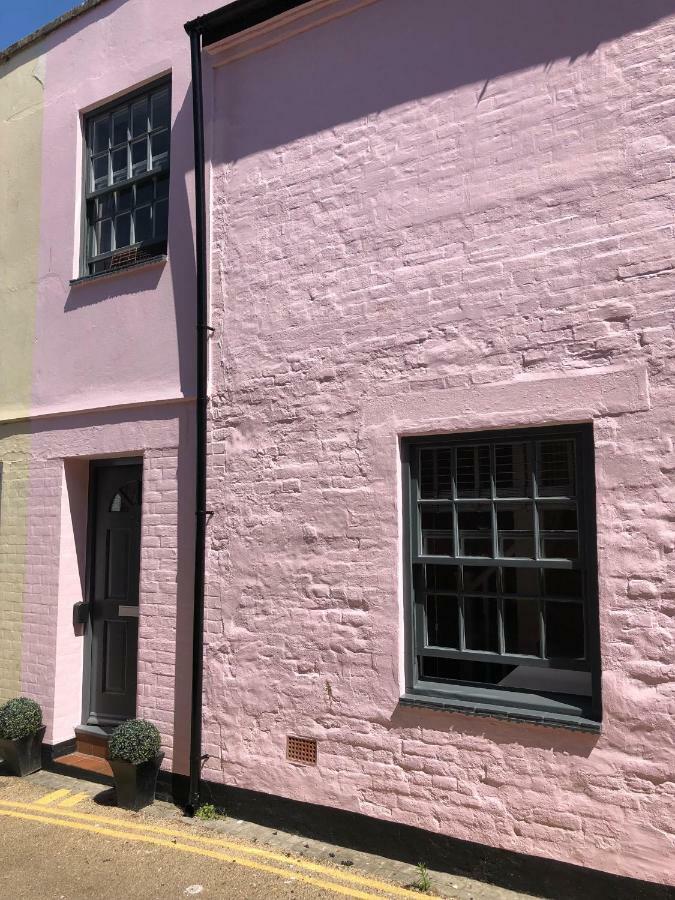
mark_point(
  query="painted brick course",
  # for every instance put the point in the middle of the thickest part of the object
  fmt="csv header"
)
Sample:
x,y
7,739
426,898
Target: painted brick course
x,y
414,233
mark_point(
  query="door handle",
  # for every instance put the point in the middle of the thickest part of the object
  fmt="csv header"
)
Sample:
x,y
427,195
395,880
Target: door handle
x,y
129,611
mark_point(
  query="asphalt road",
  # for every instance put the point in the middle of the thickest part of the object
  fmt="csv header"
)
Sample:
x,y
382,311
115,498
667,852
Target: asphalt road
x,y
58,844
52,862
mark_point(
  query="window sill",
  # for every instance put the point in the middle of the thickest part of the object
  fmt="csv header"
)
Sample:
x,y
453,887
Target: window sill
x,y
505,713
149,263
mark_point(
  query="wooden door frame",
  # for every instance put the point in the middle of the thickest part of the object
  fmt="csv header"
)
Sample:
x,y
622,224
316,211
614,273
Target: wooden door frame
x,y
94,465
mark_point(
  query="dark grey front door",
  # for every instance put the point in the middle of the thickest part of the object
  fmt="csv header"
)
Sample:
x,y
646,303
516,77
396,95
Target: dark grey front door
x,y
116,553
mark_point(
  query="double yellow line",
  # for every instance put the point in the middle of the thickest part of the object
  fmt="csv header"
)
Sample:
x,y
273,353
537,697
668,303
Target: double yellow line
x,y
325,877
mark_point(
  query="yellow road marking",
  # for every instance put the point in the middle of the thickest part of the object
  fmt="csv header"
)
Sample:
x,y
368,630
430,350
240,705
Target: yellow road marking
x,y
53,797
46,819
327,871
72,801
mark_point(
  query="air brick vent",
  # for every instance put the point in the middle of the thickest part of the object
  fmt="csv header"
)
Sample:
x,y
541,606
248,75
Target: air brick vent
x,y
301,750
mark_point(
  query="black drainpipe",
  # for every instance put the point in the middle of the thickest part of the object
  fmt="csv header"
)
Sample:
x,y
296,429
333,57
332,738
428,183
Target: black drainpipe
x,y
203,329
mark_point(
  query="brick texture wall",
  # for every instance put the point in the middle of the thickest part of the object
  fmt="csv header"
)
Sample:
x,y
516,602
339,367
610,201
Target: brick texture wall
x,y
14,445
459,221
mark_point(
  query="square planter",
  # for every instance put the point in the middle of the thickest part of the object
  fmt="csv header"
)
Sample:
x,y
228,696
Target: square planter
x,y
24,756
135,783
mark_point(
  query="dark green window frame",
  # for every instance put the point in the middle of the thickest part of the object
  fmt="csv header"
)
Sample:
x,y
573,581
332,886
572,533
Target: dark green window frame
x,y
126,180
466,497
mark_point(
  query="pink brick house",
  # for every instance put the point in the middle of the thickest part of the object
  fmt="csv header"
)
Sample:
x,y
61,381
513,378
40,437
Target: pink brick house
x,y
439,448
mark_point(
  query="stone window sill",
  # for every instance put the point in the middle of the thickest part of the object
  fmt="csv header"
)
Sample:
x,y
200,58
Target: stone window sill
x,y
153,261
505,713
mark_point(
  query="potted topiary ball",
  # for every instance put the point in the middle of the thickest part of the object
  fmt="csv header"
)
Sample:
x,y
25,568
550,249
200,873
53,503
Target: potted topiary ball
x,y
135,758
21,734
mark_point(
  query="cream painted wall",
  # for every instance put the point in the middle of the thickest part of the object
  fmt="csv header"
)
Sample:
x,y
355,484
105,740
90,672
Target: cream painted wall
x,y
21,96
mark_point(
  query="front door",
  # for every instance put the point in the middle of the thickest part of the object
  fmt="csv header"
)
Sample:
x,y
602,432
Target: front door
x,y
115,555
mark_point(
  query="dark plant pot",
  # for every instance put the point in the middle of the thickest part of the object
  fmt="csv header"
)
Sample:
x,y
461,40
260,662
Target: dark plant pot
x,y
135,783
24,756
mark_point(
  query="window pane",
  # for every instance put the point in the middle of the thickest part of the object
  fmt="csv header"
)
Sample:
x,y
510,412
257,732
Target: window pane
x,y
124,199
139,156
442,621
523,582
515,525
105,206
162,188
481,629
562,583
101,134
478,580
160,148
437,669
139,117
105,236
559,548
521,627
120,165
120,123
145,193
123,230
91,237
556,469
435,473
564,630
557,518
160,109
513,476
437,534
473,471
99,172
161,219
442,578
143,224
475,530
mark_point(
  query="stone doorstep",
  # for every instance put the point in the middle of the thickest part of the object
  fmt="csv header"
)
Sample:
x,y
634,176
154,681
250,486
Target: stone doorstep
x,y
91,743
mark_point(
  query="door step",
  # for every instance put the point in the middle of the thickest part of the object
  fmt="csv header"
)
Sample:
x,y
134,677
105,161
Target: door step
x,y
91,743
83,765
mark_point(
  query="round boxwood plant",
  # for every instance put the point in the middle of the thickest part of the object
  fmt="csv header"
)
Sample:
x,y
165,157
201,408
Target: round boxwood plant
x,y
19,718
135,741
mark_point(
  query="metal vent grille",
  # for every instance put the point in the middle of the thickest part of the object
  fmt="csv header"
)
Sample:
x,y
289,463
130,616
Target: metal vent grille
x,y
301,750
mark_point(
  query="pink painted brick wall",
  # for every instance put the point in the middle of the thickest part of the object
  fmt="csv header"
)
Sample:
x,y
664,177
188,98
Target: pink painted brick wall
x,y
455,220
52,649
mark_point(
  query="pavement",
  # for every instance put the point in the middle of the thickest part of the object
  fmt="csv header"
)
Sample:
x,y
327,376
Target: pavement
x,y
64,839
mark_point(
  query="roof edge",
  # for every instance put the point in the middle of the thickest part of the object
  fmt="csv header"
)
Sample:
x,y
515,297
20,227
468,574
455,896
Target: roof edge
x,y
237,16
47,28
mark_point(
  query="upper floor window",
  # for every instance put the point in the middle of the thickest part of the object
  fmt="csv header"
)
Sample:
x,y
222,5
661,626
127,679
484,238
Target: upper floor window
x,y
127,180
503,573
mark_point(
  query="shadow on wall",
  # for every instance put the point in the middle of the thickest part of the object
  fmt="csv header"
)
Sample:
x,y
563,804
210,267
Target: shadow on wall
x,y
495,731
395,51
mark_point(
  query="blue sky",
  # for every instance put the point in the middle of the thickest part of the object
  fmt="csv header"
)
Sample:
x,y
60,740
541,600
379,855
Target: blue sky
x,y
19,17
